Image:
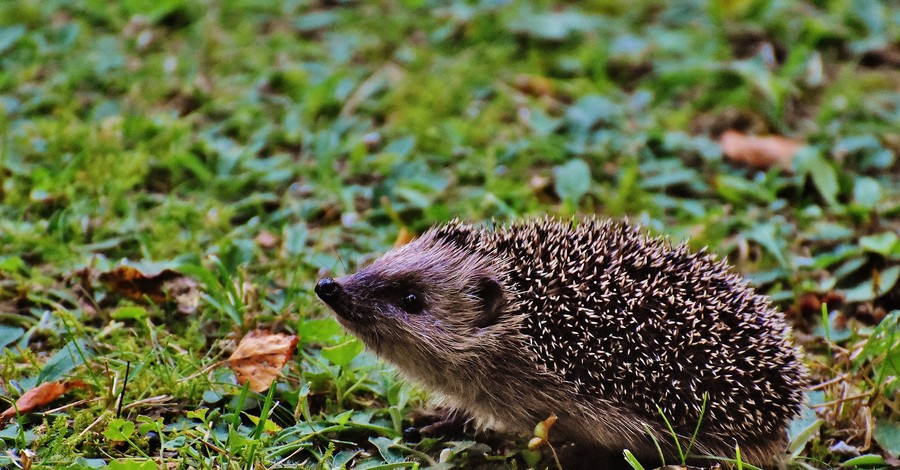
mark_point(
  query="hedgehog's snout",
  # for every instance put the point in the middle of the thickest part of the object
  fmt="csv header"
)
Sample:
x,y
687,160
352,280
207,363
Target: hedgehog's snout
x,y
332,293
335,296
327,289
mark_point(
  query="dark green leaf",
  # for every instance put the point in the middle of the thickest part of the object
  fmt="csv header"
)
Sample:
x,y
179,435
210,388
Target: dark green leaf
x,y
295,237
766,234
876,286
10,35
8,334
887,433
554,26
884,243
867,192
72,355
384,446
572,180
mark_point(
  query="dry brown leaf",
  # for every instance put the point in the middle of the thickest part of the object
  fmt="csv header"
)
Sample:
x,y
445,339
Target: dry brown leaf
x,y
184,292
40,396
533,85
266,239
542,186
759,152
404,236
167,285
260,356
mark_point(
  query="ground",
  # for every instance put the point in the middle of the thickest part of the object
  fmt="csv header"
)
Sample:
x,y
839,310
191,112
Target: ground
x,y
234,152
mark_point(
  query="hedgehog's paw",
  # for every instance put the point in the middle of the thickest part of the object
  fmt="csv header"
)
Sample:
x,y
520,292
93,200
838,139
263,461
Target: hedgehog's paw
x,y
439,423
448,422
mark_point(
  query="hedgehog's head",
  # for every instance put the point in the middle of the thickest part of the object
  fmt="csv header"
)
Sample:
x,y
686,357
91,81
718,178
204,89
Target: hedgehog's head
x,y
434,302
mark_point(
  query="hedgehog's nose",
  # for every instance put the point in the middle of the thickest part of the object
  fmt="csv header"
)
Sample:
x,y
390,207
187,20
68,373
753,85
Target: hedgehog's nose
x,y
327,289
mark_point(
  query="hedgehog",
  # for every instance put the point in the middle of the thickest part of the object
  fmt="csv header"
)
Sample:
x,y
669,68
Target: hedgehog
x,y
631,342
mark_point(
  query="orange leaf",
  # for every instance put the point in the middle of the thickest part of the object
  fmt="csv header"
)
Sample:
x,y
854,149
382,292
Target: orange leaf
x,y
759,152
260,356
533,85
161,287
40,396
404,236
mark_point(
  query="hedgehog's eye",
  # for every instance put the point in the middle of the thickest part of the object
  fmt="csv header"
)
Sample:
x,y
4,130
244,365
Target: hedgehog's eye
x,y
411,302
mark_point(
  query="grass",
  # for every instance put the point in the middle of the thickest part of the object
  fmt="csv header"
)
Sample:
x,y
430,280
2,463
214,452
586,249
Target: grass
x,y
257,146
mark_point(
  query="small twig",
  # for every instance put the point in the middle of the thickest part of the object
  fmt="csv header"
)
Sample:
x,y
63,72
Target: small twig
x,y
340,260
842,400
845,387
281,462
122,393
112,384
555,457
73,404
828,382
214,447
157,400
206,369
870,425
96,421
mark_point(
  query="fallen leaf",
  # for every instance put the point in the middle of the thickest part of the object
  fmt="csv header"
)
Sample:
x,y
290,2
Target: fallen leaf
x,y
260,356
759,152
542,187
266,239
167,285
184,292
404,236
40,396
533,85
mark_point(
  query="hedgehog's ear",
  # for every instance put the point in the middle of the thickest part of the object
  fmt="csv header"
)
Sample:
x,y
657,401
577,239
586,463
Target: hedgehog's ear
x,y
490,298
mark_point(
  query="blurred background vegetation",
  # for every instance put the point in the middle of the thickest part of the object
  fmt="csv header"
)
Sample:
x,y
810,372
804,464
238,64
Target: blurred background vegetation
x,y
256,146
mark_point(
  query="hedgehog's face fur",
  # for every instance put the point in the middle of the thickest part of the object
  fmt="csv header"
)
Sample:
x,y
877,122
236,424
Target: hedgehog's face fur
x,y
428,302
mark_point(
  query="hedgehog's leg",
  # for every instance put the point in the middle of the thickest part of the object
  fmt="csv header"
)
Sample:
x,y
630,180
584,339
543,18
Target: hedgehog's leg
x,y
448,422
